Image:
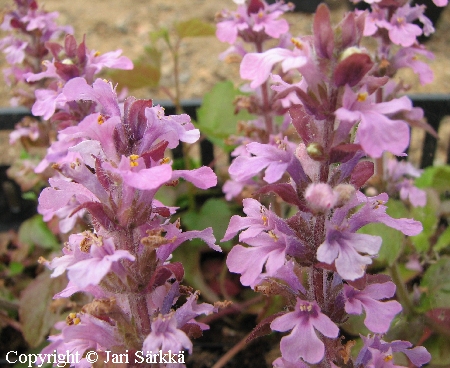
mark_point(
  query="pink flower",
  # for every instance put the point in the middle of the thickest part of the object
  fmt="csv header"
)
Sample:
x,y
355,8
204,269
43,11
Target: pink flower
x,y
401,31
303,342
351,252
166,336
258,66
89,259
407,57
267,250
378,314
376,131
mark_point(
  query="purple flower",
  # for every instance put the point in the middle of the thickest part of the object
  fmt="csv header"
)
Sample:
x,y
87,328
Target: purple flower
x,y
382,360
376,131
258,66
407,57
81,332
89,259
374,210
346,249
373,346
257,21
258,219
276,158
378,314
166,336
267,250
190,309
283,363
302,342
232,23
401,31
398,175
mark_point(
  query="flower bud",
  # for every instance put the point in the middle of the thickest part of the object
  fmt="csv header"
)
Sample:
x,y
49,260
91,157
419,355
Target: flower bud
x,y
344,192
320,197
315,151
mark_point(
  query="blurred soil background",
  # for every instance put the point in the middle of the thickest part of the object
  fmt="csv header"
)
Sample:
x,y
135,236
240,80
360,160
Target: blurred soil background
x,y
125,24
113,24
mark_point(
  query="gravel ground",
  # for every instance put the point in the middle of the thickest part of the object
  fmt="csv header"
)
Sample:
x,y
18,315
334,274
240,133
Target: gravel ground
x,y
113,24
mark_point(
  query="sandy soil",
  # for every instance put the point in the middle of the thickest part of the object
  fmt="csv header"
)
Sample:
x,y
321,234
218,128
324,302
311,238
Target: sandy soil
x,y
113,24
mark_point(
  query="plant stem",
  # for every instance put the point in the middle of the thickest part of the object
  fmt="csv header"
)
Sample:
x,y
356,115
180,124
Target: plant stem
x,y
266,108
231,353
401,291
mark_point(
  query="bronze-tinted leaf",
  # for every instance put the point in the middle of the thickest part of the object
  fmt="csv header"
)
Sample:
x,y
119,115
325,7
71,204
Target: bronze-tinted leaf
x,y
34,311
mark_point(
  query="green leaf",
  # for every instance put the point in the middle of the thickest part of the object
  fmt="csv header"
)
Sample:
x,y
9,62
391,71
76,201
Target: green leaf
x,y
146,73
439,348
391,245
436,177
30,196
15,268
162,33
443,240
436,286
35,231
216,118
214,213
194,28
428,216
392,239
34,311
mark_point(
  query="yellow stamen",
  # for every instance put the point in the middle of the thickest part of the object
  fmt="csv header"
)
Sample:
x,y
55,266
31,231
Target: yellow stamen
x,y
297,43
384,64
165,160
133,160
388,358
362,96
97,53
400,20
100,120
90,239
264,218
72,319
273,235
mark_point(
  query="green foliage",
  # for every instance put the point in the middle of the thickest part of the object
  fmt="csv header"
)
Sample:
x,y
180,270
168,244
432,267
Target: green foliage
x,y
35,314
443,240
392,239
436,286
216,118
194,28
15,268
437,177
429,217
214,213
146,73
439,348
35,231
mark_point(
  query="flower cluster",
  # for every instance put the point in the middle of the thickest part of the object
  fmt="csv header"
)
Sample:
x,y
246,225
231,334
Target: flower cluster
x,y
109,160
29,28
113,165
345,110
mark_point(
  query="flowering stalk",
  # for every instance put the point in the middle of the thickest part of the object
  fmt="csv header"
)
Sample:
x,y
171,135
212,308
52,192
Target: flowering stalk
x,y
112,169
109,162
344,107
